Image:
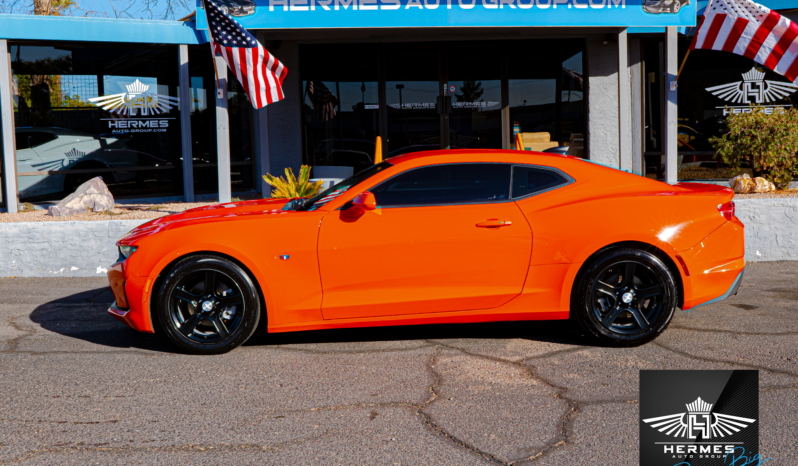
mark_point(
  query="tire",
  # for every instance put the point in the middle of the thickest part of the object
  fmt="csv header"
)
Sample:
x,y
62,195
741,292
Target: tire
x,y
676,6
212,321
625,297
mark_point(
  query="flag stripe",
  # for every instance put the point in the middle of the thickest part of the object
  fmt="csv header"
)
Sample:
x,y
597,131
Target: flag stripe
x,y
734,34
781,46
712,32
788,58
761,34
782,26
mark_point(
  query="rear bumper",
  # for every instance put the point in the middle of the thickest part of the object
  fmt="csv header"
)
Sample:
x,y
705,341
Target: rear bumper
x,y
716,266
732,291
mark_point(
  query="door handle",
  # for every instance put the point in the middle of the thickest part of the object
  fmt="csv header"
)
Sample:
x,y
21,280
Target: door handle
x,y
494,223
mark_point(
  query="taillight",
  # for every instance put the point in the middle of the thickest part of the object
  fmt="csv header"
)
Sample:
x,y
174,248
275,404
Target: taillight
x,y
727,210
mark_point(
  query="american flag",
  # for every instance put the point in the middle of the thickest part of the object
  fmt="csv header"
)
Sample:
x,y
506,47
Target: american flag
x,y
257,70
323,100
751,30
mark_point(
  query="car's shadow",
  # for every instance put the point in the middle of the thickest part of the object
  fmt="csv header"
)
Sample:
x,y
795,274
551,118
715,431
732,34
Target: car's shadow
x,y
84,316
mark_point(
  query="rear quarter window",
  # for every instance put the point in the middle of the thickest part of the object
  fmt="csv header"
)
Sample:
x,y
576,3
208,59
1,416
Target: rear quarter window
x,y
533,180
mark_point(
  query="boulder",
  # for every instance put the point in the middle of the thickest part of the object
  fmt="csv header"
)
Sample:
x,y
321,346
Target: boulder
x,y
744,184
91,196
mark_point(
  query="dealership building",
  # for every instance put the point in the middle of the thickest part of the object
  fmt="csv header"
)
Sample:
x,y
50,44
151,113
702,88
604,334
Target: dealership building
x,y
136,101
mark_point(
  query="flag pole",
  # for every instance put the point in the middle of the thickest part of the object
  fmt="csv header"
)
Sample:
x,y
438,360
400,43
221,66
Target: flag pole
x,y
684,60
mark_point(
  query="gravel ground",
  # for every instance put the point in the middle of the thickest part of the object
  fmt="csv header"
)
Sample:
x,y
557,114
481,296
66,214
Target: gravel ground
x,y
785,193
120,212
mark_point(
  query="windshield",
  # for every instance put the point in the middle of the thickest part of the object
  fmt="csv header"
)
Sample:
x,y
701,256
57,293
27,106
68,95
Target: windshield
x,y
334,191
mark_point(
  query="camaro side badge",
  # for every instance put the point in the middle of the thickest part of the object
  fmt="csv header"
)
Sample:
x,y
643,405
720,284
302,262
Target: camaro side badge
x,y
699,419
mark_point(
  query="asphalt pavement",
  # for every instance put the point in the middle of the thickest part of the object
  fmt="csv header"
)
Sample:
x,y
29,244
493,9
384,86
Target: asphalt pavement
x,y
77,387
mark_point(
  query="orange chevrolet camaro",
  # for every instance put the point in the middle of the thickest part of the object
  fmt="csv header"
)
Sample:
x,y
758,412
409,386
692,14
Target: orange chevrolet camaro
x,y
437,237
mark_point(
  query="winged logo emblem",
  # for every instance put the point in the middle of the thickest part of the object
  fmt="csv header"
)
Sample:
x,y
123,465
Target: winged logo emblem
x,y
753,89
699,418
136,99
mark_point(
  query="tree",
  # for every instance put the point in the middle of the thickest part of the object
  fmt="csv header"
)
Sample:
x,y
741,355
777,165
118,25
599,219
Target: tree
x,y
133,9
471,91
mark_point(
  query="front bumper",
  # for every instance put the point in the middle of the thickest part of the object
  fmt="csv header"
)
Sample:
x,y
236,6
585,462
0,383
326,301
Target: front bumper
x,y
132,294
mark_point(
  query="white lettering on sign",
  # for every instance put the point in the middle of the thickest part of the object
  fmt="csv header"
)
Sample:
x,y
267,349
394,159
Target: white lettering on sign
x,y
373,5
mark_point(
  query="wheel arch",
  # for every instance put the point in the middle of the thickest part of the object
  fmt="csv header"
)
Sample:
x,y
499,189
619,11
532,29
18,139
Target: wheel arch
x,y
153,298
658,252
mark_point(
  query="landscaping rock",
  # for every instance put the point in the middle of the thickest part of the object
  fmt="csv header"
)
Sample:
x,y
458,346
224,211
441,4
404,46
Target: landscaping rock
x,y
91,196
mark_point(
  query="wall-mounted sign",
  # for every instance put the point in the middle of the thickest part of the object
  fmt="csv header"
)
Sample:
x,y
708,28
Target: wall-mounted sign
x,y
327,14
137,100
753,89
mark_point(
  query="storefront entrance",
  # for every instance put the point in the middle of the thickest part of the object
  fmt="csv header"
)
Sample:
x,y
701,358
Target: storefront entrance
x,y
440,95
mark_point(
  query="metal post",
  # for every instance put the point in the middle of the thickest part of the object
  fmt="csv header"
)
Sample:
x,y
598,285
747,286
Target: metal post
x,y
9,161
624,103
636,87
223,134
671,107
185,126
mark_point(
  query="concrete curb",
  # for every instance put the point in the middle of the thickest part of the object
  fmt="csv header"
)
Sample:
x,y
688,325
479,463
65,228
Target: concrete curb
x,y
86,249
56,249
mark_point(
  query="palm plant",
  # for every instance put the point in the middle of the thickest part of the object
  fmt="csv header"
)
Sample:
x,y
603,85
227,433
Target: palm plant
x,y
290,187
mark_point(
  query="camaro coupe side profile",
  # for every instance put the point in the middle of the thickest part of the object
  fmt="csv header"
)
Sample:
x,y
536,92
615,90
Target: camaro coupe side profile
x,y
452,236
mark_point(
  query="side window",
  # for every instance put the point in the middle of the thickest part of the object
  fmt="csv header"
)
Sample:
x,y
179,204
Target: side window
x,y
530,180
446,184
29,140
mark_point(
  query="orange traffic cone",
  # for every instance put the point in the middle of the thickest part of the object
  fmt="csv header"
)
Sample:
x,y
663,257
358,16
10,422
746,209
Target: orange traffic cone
x,y
378,151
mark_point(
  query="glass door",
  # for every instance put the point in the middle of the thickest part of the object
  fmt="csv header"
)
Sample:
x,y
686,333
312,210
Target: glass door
x,y
473,93
412,91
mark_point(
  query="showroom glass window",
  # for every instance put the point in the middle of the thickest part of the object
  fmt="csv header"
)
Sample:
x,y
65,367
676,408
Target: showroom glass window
x,y
547,87
340,105
64,137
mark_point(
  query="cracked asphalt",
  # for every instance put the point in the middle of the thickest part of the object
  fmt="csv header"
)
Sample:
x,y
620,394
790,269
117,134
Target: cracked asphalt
x,y
77,387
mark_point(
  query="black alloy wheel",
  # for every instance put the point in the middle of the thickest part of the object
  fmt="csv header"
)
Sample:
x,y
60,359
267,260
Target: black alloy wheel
x,y
208,305
625,297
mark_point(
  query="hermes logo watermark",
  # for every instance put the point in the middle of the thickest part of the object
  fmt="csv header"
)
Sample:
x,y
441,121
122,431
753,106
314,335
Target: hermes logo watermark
x,y
753,89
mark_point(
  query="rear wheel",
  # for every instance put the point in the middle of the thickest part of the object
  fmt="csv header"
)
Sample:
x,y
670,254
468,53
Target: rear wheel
x,y
676,6
208,305
626,297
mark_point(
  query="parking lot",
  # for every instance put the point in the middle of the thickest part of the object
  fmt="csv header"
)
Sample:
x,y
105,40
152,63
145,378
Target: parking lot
x,y
76,387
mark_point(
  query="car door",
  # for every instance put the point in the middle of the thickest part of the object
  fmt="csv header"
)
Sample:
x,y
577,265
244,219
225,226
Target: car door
x,y
29,161
443,238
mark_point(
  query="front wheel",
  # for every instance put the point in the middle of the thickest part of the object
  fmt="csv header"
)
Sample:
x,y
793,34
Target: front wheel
x,y
625,297
208,305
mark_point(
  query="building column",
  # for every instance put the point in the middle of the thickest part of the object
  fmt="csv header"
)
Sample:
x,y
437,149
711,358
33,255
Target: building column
x,y
624,104
9,160
602,137
222,134
671,107
185,126
260,127
284,120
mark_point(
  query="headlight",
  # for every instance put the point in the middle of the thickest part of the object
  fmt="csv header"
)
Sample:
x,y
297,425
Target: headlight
x,y
126,251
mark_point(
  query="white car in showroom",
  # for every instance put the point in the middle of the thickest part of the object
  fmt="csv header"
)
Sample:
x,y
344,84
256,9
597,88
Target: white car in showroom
x,y
44,149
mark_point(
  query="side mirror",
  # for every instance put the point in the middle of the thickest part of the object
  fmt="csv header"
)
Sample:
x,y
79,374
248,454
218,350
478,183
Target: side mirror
x,y
365,201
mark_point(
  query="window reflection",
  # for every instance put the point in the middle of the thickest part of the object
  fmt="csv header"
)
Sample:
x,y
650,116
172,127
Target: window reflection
x,y
65,135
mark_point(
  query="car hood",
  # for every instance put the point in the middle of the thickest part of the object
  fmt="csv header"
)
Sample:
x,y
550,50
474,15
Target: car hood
x,y
210,213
